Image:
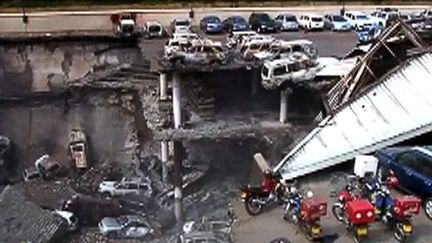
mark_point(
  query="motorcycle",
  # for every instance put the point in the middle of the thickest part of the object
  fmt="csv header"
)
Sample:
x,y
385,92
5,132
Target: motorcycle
x,y
396,213
306,213
355,213
342,198
256,197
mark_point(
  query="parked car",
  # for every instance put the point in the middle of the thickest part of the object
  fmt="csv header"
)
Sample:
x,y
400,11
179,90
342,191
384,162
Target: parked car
x,y
413,168
235,23
180,25
359,20
127,226
369,33
125,187
427,13
336,22
198,237
221,228
211,24
287,22
385,18
262,22
311,22
153,29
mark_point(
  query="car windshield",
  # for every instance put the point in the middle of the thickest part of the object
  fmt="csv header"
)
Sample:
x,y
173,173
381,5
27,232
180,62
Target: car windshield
x,y
122,220
404,17
239,20
291,19
316,19
182,23
264,17
213,20
338,18
154,28
361,17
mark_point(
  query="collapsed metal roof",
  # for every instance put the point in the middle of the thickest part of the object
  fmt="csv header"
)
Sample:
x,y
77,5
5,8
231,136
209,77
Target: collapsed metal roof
x,y
384,100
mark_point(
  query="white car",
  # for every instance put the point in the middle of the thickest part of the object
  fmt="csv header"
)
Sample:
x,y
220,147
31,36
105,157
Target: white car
x,y
383,18
153,29
426,13
70,218
124,187
311,22
180,25
359,20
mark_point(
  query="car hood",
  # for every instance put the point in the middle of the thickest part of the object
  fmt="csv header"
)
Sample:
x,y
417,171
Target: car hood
x,y
340,24
267,23
110,223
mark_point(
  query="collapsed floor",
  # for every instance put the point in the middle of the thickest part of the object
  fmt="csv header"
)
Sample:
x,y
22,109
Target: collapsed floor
x,y
107,90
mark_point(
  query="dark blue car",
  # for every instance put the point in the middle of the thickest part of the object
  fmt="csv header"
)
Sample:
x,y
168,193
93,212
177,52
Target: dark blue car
x,y
211,24
235,23
413,168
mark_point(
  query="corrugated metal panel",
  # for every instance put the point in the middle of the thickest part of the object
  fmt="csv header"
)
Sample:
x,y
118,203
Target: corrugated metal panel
x,y
398,108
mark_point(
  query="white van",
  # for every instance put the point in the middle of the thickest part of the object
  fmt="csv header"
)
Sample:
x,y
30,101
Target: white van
x,y
295,69
311,22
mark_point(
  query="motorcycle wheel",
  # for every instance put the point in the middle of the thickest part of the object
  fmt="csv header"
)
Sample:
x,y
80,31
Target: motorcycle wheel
x,y
338,212
252,207
399,233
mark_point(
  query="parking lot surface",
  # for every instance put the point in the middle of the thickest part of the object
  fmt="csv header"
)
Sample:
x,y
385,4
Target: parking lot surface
x,y
270,225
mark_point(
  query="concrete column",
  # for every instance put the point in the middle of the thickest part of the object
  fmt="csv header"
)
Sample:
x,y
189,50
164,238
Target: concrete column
x,y
255,82
178,197
177,100
283,115
163,86
164,159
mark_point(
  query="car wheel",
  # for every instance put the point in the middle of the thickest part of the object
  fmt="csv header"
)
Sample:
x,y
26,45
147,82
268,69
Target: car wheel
x,y
112,235
428,207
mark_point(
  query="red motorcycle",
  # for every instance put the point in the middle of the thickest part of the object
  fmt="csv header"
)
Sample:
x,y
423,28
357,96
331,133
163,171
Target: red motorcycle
x,y
355,213
357,216
256,197
311,212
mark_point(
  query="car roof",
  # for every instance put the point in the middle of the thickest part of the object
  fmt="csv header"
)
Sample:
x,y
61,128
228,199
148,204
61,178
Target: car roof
x,y
424,149
181,20
357,13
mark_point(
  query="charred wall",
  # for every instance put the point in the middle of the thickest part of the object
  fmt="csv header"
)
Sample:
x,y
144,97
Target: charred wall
x,y
39,126
50,66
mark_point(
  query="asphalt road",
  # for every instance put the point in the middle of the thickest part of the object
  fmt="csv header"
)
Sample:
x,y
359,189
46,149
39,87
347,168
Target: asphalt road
x,y
270,225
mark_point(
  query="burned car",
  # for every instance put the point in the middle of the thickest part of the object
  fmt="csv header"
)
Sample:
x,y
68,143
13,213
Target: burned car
x,y
48,168
221,228
200,52
235,38
126,186
90,211
126,226
78,149
153,29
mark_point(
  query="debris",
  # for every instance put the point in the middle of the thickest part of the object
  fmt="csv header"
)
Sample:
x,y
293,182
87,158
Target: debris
x,y
78,149
23,221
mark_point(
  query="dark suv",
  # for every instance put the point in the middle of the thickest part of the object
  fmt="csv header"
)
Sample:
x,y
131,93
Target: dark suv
x,y
262,22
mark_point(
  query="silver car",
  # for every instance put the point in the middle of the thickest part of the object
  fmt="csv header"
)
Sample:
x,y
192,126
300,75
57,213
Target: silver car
x,y
125,187
127,226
